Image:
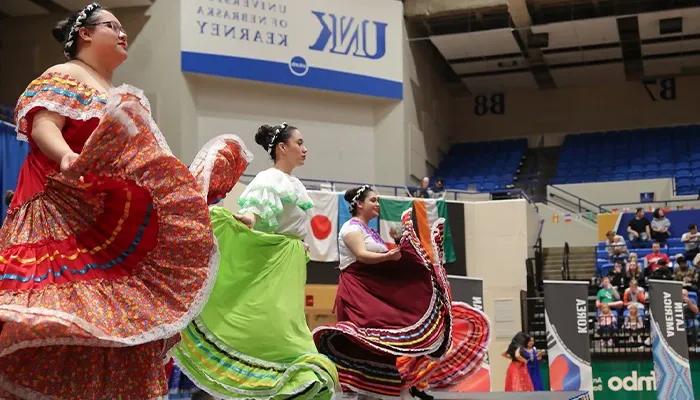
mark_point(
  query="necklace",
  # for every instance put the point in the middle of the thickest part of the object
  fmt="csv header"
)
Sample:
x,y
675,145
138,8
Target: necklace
x,y
374,234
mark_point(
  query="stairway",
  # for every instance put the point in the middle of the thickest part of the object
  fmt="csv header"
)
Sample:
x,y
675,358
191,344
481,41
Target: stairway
x,y
524,179
581,263
549,158
538,169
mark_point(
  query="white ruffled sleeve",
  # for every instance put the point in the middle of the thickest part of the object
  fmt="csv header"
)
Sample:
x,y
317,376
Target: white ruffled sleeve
x,y
266,194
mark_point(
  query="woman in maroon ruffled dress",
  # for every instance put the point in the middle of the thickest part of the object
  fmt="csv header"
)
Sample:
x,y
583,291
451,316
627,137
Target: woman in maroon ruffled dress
x,y
395,312
107,250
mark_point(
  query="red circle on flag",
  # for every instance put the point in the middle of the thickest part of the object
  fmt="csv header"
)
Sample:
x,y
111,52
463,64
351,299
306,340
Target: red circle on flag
x,y
321,226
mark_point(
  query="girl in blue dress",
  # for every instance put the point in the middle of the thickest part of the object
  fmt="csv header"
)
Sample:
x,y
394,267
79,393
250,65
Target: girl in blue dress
x,y
533,364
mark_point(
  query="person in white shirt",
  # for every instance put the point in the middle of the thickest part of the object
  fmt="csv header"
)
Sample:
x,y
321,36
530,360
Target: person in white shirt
x,y
394,309
251,339
691,239
616,246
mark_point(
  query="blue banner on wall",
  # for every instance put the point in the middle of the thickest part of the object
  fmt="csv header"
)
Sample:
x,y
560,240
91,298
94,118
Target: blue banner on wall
x,y
338,45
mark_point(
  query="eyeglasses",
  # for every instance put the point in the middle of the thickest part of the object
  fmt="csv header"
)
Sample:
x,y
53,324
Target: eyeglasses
x,y
113,25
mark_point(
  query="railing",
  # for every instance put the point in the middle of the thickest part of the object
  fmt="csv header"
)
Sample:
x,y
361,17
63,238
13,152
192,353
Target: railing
x,y
565,274
578,205
530,183
406,191
654,204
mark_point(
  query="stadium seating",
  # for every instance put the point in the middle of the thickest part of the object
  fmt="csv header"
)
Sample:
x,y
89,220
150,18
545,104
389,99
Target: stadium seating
x,y
603,265
489,166
6,114
633,154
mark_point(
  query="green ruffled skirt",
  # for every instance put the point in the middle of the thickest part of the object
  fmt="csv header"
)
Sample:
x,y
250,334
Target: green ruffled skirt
x,y
251,340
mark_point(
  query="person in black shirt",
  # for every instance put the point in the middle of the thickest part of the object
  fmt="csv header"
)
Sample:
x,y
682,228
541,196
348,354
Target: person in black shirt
x,y
662,272
617,276
639,229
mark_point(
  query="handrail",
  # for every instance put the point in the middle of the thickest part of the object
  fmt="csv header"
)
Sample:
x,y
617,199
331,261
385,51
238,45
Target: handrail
x,y
539,233
580,199
453,193
565,274
664,202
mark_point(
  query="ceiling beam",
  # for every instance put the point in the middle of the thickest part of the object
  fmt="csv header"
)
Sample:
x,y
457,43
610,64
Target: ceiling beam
x,y
522,33
50,6
630,43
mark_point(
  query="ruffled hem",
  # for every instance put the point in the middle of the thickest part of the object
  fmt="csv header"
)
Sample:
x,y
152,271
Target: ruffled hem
x,y
59,93
219,165
135,286
226,373
467,352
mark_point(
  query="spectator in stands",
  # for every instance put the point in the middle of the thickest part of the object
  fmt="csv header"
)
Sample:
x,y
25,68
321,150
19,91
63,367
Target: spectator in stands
x,y
633,257
424,191
639,229
691,240
634,325
439,188
654,257
660,226
634,295
690,314
617,275
607,322
634,273
662,271
686,274
616,246
8,197
608,295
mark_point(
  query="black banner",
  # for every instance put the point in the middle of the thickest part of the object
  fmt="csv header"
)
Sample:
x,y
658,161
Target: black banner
x,y
467,290
471,291
569,352
669,345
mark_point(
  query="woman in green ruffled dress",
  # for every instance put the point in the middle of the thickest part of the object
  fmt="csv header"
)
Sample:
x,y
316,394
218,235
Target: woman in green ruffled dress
x,y
251,340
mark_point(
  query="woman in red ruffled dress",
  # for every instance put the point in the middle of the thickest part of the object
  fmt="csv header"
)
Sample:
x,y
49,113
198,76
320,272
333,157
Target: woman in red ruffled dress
x,y
107,251
398,331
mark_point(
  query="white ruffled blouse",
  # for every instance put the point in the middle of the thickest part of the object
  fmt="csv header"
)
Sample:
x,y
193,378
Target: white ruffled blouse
x,y
279,201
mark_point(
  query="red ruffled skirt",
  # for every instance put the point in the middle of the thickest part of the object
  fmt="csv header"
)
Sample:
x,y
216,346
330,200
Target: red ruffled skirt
x,y
518,378
97,278
396,310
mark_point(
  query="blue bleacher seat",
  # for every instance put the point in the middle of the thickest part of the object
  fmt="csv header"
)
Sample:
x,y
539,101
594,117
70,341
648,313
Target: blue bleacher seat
x,y
632,154
488,166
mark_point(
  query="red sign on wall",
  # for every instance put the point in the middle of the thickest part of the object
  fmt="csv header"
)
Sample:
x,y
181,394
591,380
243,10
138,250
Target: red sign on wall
x,y
309,300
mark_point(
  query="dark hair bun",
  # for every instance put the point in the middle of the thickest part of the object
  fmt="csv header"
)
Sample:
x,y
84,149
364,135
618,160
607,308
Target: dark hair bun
x,y
264,136
60,31
349,194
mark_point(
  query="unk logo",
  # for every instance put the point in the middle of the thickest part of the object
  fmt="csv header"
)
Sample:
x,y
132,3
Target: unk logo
x,y
346,35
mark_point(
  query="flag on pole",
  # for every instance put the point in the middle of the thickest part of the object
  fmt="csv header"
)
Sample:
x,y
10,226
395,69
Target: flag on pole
x,y
344,213
425,213
323,237
390,210
567,217
555,218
